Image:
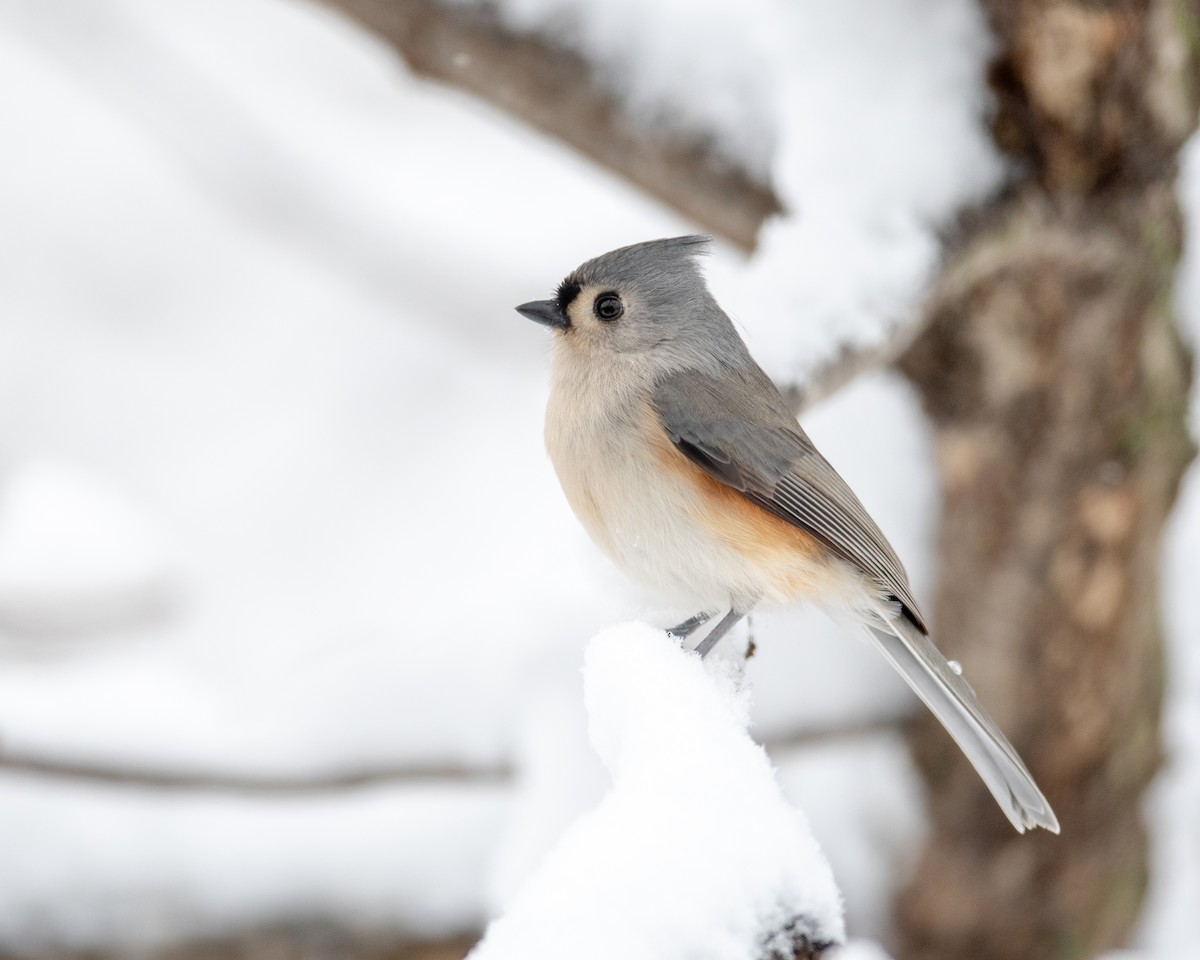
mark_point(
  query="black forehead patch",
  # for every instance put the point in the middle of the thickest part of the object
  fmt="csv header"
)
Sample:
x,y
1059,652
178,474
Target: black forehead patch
x,y
567,291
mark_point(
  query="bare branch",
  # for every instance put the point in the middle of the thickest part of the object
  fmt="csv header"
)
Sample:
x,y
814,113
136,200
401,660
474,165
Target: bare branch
x,y
826,736
850,362
146,777
555,90
99,772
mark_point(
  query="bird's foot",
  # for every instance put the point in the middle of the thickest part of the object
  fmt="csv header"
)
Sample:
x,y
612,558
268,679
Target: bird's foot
x,y
689,626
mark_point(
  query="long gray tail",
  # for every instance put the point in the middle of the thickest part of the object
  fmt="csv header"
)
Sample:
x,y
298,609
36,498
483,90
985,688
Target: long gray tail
x,y
953,702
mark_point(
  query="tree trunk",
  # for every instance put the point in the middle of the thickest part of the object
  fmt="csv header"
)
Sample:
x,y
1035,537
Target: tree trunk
x,y
1057,385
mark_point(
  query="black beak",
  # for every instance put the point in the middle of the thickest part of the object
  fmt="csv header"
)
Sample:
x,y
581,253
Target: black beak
x,y
546,312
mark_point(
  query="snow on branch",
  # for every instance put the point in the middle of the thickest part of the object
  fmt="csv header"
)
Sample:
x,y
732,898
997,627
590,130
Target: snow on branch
x,y
535,77
693,851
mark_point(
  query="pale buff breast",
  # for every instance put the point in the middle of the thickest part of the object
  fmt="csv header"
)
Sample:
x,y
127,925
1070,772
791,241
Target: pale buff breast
x,y
665,522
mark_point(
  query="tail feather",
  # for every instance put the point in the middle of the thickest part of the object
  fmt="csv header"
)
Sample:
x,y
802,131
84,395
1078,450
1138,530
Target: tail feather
x,y
954,703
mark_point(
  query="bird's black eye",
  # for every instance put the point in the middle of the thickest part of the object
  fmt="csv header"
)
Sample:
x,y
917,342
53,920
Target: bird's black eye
x,y
608,307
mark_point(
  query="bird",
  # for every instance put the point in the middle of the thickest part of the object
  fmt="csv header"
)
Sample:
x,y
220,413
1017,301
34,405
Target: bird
x,y
686,467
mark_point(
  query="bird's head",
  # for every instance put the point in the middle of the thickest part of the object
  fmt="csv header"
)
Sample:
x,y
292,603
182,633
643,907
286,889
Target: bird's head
x,y
646,299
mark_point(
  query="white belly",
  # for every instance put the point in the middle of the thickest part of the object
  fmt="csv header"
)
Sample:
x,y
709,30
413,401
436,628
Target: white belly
x,y
655,515
636,518
645,518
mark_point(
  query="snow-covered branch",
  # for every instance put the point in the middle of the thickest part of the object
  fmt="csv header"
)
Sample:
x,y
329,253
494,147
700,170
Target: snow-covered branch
x,y
536,78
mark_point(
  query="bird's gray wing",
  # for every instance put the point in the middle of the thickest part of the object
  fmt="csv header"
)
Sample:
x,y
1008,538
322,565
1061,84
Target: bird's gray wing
x,y
738,429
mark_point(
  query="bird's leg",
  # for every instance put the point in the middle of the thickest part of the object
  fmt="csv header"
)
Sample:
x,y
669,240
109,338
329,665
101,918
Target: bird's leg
x,y
724,625
689,626
751,646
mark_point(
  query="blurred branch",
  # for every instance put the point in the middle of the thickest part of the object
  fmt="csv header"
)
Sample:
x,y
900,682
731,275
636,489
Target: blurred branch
x,y
540,81
145,777
299,939
214,782
827,736
850,362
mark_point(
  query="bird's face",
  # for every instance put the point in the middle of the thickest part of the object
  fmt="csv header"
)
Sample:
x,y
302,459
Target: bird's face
x,y
600,314
647,300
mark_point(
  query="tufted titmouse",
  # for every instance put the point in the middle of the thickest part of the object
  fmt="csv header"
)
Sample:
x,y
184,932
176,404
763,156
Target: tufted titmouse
x,y
681,459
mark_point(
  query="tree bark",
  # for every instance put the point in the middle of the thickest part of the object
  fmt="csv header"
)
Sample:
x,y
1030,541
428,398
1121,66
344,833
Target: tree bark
x,y
1057,384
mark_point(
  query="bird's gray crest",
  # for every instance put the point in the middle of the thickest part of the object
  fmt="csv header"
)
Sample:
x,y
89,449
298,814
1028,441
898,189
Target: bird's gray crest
x,y
670,313
646,261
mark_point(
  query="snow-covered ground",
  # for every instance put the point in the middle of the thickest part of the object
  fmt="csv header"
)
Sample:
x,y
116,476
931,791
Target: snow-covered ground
x,y
273,497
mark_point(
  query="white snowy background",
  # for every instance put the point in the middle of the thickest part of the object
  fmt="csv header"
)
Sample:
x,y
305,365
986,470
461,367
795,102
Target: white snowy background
x,y
273,497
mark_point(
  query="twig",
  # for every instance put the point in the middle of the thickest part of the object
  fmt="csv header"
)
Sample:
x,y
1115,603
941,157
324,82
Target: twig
x,y
144,777
245,783
850,363
820,737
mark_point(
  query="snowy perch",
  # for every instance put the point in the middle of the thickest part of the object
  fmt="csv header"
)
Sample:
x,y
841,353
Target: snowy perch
x,y
693,852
